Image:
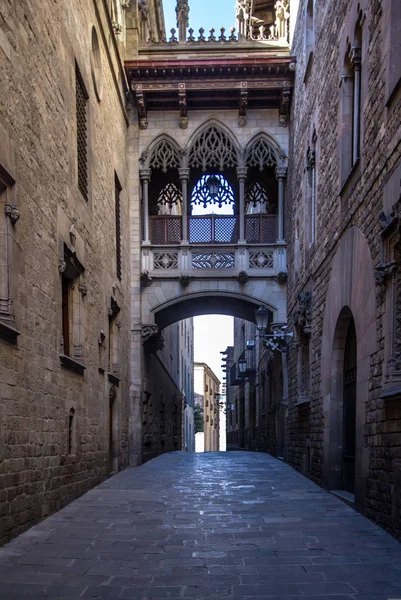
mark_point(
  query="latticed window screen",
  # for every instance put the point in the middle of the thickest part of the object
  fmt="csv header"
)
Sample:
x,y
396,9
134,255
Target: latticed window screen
x,y
200,230
117,190
213,229
261,229
82,132
165,230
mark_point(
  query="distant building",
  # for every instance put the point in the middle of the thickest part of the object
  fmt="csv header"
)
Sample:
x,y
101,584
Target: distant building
x,y
207,385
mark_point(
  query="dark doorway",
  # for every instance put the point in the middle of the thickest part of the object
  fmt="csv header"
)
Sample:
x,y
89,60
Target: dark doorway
x,y
349,410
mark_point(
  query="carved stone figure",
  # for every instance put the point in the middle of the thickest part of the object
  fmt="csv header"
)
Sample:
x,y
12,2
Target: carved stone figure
x,y
282,16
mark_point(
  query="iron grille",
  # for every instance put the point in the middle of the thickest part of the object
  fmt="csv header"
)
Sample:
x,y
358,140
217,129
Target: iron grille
x,y
117,190
261,229
165,229
82,132
213,229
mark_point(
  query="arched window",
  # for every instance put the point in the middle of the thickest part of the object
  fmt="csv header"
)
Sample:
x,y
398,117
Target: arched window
x,y
212,211
213,192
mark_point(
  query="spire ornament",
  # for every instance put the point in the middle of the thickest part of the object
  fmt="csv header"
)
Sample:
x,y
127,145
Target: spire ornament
x,y
182,12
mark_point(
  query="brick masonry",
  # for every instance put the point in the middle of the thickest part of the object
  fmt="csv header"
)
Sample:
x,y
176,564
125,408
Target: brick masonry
x,y
352,212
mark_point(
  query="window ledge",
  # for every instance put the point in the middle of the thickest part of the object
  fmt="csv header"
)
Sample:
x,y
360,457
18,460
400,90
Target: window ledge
x,y
302,401
72,364
8,332
350,182
113,379
392,394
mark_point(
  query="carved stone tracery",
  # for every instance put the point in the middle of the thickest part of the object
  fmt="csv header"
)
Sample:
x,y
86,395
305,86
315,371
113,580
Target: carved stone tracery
x,y
256,194
213,148
170,196
164,156
261,154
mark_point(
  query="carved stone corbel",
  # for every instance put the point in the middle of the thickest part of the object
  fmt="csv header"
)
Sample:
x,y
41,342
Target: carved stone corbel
x,y
141,107
62,265
385,272
83,290
149,331
243,104
303,314
12,213
182,101
284,110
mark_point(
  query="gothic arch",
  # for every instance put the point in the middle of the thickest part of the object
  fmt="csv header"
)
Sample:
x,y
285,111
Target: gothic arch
x,y
264,151
162,153
351,291
213,145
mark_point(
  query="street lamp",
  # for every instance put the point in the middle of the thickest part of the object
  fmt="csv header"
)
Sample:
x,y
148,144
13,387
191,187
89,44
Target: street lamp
x,y
280,339
262,318
242,366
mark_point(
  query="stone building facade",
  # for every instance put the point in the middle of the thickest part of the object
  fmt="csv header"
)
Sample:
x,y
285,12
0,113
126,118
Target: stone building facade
x,y
64,257
344,419
256,407
207,385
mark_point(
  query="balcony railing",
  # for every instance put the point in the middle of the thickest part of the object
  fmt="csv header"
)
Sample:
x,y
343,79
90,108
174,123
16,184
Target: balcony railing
x,y
213,229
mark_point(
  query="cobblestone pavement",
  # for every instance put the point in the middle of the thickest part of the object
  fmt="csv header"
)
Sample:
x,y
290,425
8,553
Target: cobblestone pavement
x,y
204,526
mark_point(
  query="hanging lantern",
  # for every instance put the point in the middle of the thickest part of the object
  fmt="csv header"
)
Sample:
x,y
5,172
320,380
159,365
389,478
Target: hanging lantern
x,y
213,184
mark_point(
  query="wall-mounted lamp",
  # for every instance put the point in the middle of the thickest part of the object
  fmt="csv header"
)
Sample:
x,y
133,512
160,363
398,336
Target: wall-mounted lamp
x,y
280,339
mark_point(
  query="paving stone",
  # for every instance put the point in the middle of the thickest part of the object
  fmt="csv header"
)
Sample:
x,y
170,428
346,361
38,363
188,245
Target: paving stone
x,y
194,538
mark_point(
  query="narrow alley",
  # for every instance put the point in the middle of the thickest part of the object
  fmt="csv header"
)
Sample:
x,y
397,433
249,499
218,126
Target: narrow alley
x,y
205,526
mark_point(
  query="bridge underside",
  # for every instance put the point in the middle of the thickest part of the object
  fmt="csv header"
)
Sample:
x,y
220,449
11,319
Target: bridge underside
x,y
207,305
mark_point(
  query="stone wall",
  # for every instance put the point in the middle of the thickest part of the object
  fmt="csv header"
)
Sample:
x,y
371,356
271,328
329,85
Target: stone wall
x,y
337,269
56,437
162,410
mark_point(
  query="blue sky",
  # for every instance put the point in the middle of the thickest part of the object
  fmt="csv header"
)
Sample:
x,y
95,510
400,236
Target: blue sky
x,y
203,13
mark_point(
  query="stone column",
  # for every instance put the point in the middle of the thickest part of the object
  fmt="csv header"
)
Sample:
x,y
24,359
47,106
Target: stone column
x,y
281,173
145,178
184,177
241,174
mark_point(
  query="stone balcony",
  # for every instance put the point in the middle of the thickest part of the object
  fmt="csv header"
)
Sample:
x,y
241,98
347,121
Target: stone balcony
x,y
204,261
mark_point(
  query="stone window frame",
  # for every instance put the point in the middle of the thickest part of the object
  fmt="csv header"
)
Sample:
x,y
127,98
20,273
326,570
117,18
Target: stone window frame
x,y
96,63
73,292
388,277
353,87
309,36
310,193
392,27
117,212
9,215
303,328
83,149
113,362
72,440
